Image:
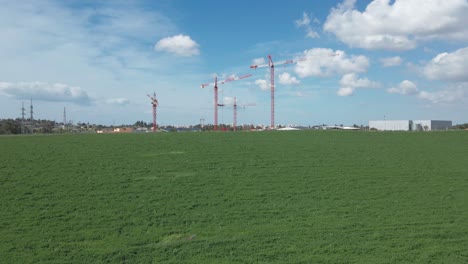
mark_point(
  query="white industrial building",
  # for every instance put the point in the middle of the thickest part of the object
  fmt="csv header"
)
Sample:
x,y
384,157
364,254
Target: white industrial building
x,y
390,125
410,125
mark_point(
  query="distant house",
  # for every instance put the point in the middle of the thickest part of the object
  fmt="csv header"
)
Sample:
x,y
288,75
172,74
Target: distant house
x,y
142,130
123,130
116,130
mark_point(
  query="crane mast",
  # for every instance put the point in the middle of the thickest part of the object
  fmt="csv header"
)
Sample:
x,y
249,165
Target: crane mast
x,y
271,65
154,105
215,85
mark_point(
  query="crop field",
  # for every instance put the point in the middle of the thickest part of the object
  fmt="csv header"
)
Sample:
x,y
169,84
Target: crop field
x,y
245,197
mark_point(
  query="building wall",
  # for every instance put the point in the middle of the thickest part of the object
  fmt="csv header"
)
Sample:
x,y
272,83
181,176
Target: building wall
x,y
421,125
390,125
408,125
441,125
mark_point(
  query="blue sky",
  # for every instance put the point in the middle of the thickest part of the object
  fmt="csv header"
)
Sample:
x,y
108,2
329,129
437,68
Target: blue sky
x,y
402,59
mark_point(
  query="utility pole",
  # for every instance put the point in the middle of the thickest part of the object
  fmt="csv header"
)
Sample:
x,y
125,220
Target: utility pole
x,y
64,118
234,125
23,113
31,111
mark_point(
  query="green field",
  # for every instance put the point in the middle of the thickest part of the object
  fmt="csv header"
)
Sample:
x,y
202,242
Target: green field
x,y
246,197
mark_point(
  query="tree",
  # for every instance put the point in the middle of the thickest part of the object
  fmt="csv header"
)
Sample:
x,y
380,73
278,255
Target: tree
x,y
10,126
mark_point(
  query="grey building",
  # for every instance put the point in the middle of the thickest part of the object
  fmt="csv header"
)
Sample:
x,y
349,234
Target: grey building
x,y
410,125
422,125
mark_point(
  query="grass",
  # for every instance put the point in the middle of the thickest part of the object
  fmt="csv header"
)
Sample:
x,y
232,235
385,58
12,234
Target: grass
x,y
260,197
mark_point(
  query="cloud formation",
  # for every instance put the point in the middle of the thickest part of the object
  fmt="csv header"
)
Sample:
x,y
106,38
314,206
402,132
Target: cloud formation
x,y
405,88
228,101
41,91
180,45
351,81
286,79
450,67
321,62
449,94
118,101
263,84
304,22
258,61
391,61
399,24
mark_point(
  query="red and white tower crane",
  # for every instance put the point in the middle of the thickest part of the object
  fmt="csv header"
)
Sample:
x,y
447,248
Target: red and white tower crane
x,y
215,85
271,65
235,112
154,103
272,82
234,123
234,105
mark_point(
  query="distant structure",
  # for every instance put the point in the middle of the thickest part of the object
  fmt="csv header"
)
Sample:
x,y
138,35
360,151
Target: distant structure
x,y
154,104
420,125
215,86
31,111
116,130
410,125
271,65
64,117
23,114
235,112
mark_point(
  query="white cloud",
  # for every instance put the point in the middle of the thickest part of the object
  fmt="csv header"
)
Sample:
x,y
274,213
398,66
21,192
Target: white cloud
x,y
304,22
310,33
263,84
345,91
391,61
41,91
286,79
181,45
351,81
448,95
405,88
258,61
450,67
321,63
399,24
118,101
228,101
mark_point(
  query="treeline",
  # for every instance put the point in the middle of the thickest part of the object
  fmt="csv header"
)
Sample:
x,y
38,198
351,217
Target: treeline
x,y
18,126
461,126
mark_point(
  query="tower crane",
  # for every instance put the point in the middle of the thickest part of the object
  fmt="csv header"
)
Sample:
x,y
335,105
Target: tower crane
x,y
154,103
271,65
215,85
235,112
235,105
